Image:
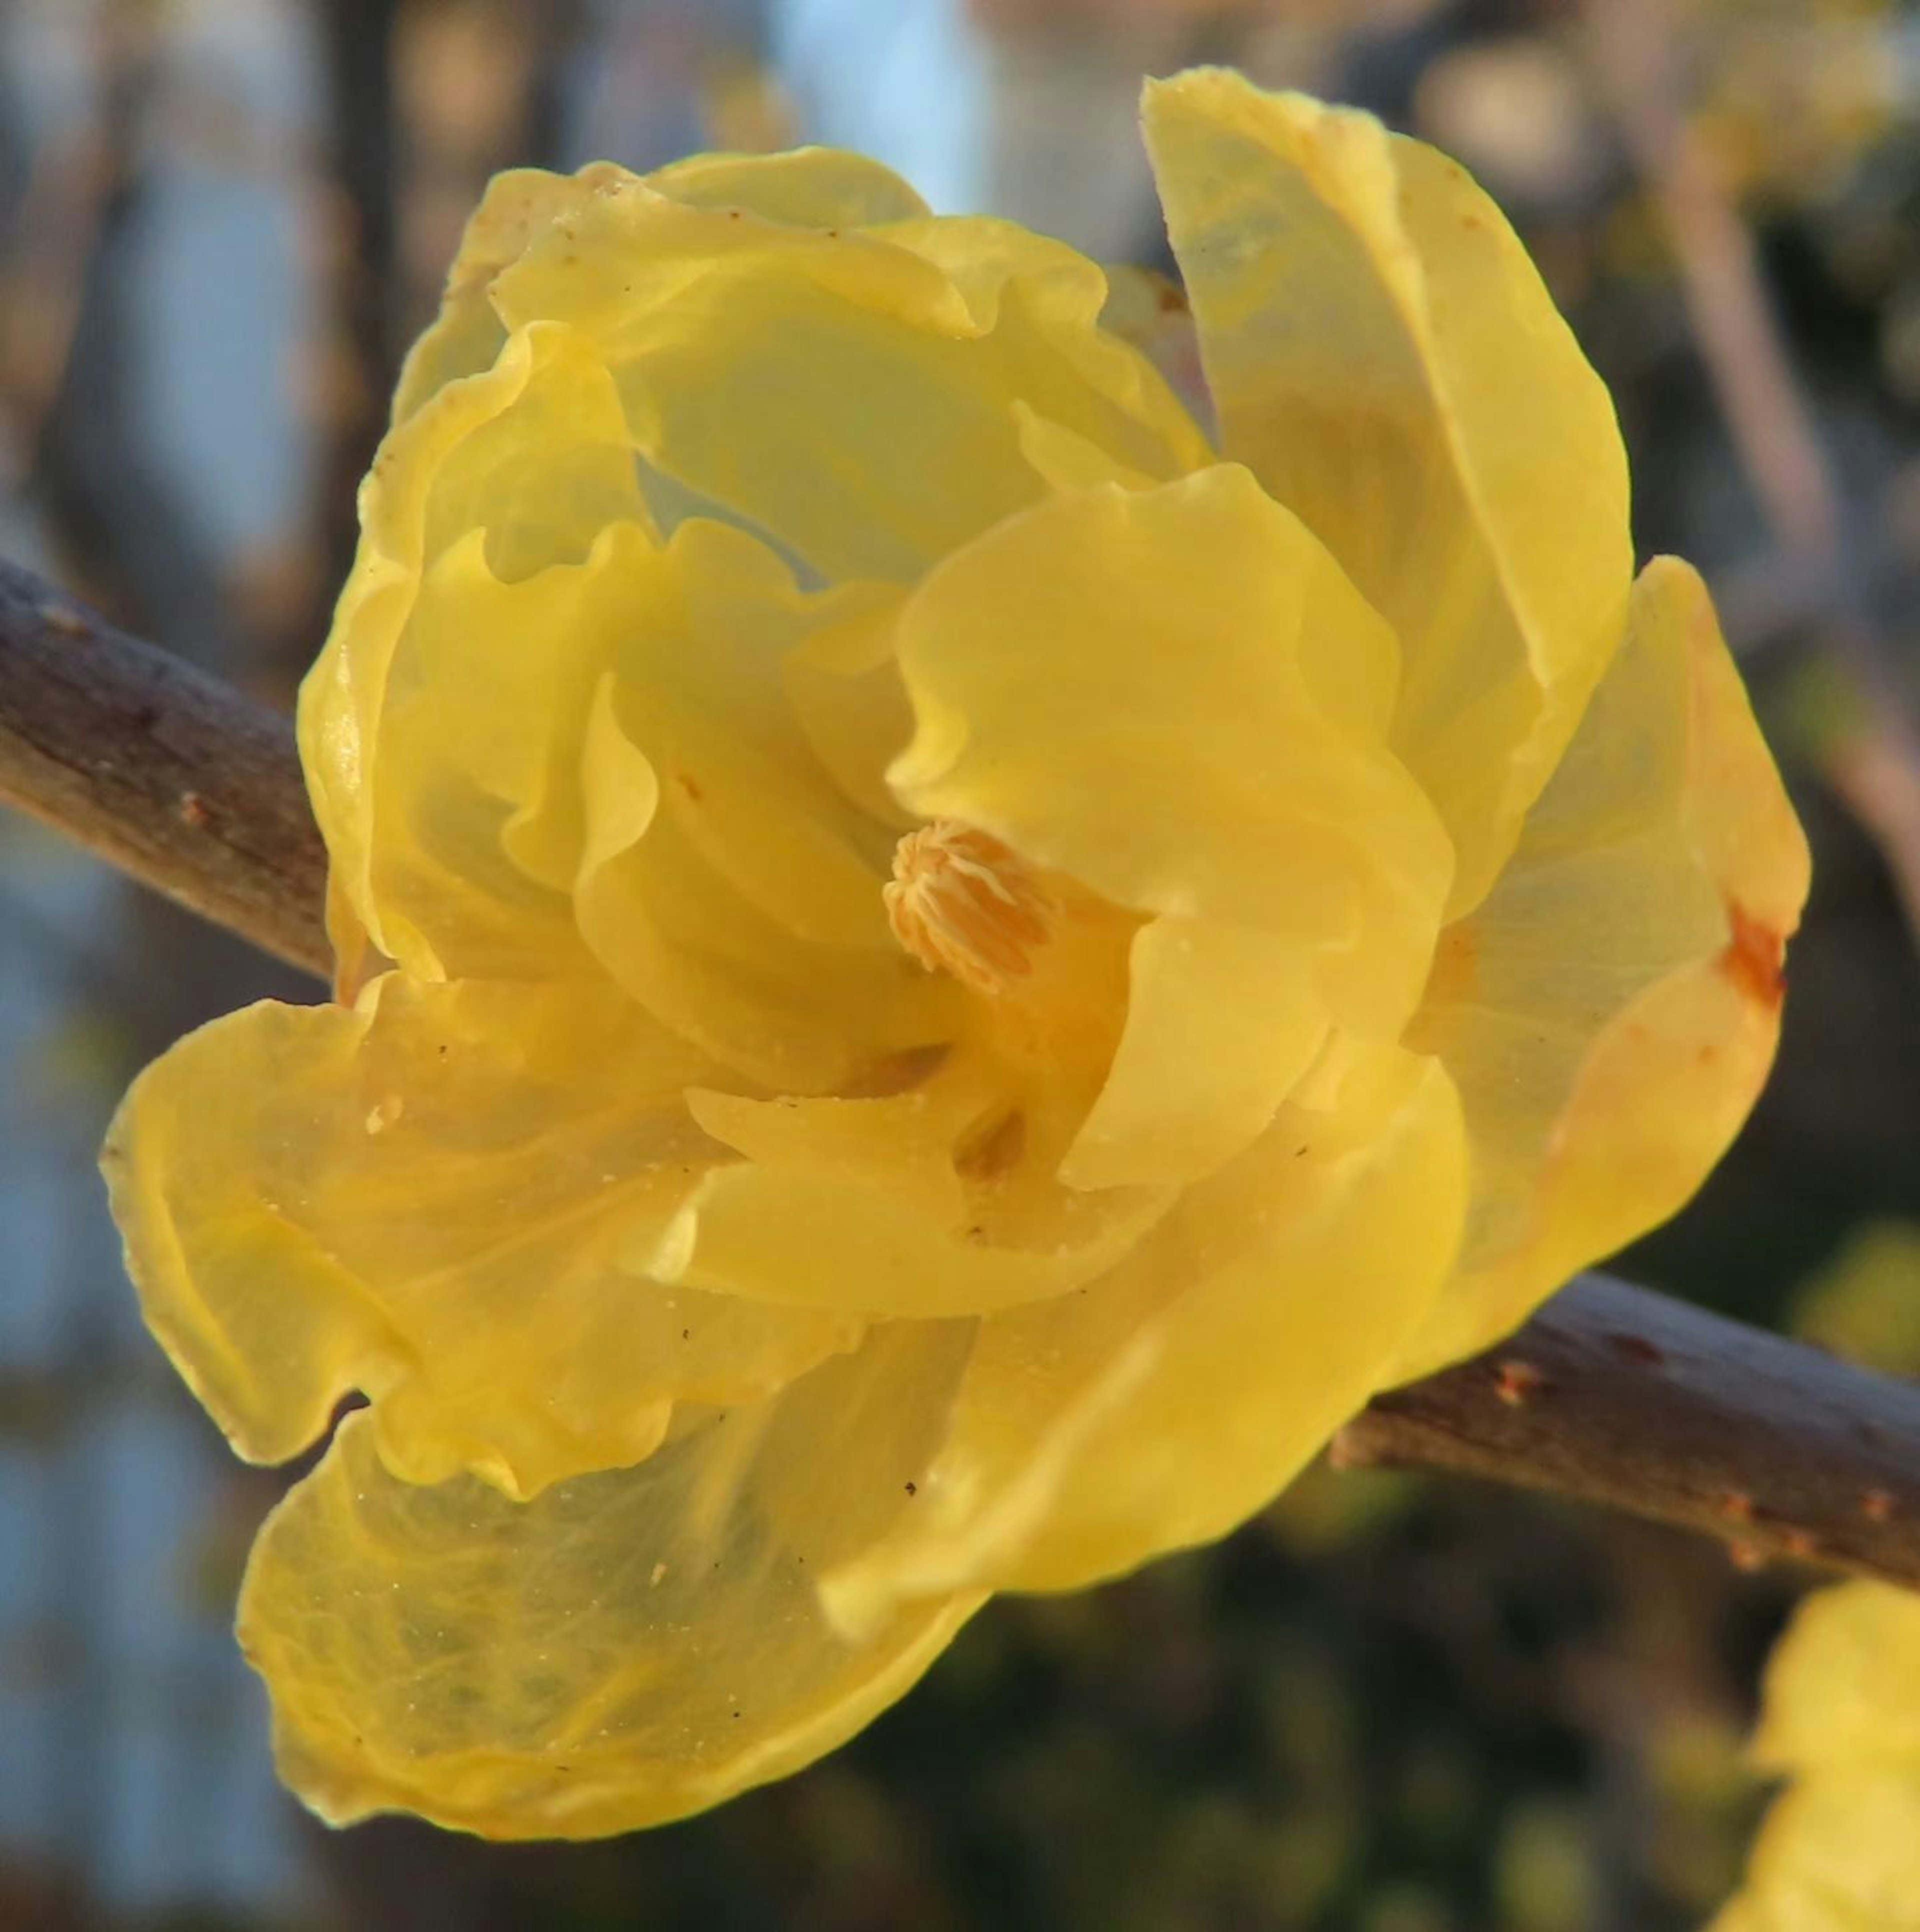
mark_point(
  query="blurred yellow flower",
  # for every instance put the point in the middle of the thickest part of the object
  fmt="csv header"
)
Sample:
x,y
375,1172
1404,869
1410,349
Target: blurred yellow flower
x,y
940,978
1840,1851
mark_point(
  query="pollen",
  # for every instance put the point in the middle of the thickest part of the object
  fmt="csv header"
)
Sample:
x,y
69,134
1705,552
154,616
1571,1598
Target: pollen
x,y
962,903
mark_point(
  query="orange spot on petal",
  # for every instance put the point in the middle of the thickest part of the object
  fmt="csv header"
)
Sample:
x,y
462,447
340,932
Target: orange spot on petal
x,y
1754,957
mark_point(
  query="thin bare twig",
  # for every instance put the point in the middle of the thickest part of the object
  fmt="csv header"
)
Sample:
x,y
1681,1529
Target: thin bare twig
x,y
1610,1394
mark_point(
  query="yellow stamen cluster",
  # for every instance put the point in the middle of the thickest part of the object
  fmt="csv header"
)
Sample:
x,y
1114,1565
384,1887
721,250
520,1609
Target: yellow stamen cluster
x,y
961,902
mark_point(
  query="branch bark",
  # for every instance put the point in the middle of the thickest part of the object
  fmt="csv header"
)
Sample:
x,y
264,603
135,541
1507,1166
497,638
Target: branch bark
x,y
1616,1396
1610,1395
170,774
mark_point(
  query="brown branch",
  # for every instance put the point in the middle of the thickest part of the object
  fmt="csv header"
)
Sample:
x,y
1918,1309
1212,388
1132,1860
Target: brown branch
x,y
1610,1394
169,774
1617,1396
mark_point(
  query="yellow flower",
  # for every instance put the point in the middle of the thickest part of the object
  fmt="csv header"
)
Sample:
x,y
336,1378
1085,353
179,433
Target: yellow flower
x,y
961,974
1840,1851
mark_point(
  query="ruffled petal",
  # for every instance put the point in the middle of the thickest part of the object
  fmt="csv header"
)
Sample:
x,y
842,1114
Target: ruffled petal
x,y
624,1649
1173,697
805,187
505,548
681,908
1171,1399
467,335
430,1198
811,187
835,389
844,682
1221,1021
792,1238
1611,1011
874,1206
1040,308
1382,355
704,698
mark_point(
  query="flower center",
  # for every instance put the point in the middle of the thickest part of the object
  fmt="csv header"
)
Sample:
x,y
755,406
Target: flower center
x,y
962,903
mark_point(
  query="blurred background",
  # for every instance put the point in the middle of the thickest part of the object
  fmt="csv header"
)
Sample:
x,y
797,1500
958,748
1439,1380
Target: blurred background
x,y
1390,1706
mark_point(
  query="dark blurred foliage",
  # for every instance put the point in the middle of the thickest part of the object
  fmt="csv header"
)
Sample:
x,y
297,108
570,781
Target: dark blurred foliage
x,y
1390,1706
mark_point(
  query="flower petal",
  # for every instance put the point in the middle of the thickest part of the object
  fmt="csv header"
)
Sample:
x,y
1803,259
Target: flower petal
x,y
1171,1399
691,945
1165,694
1173,697
624,1649
1040,307
844,682
817,187
1221,1021
805,187
834,389
1836,1854
1840,1851
318,1199
1610,1011
1843,1685
467,335
1382,355
504,535
705,698
861,1206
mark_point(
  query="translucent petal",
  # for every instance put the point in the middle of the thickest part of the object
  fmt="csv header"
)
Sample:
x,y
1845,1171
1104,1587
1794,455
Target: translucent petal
x,y
502,531
706,700
806,188
1173,697
1039,306
1067,461
1843,1685
467,333
790,1238
1610,1012
844,682
810,187
691,945
835,389
427,1198
624,1649
1158,693
864,1206
1838,1853
1151,310
1221,1021
1381,353
1171,1399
